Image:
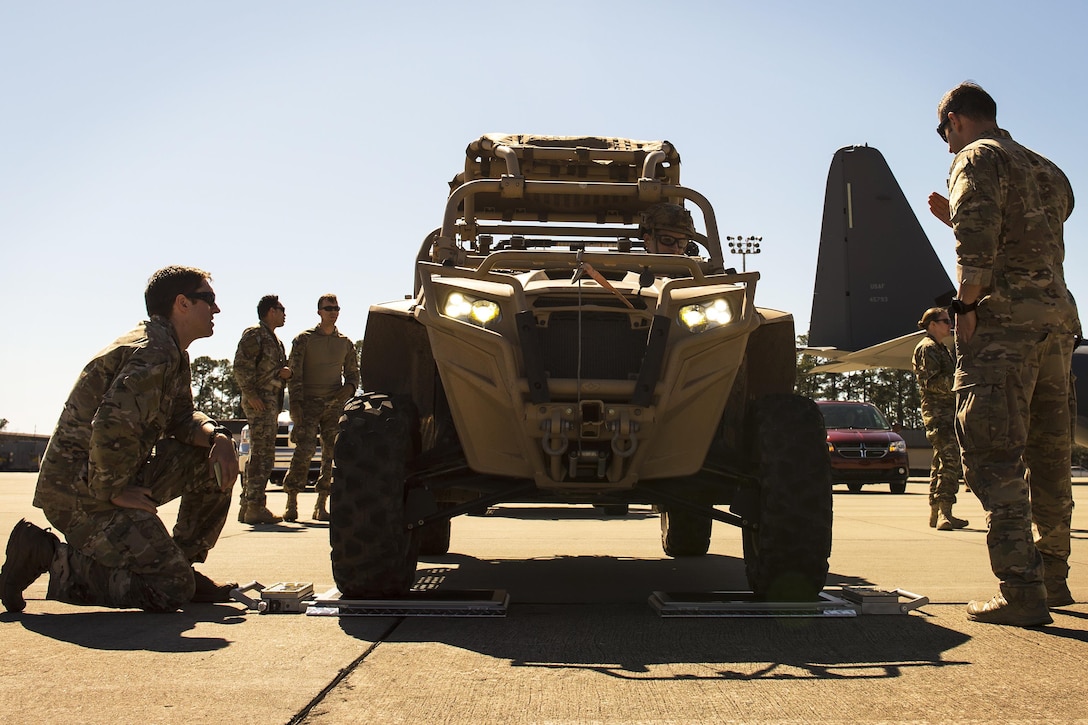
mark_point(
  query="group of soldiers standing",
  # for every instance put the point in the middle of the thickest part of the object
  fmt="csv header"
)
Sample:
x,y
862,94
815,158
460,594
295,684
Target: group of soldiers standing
x,y
320,375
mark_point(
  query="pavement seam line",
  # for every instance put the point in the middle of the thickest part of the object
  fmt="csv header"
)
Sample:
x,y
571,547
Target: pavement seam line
x,y
302,714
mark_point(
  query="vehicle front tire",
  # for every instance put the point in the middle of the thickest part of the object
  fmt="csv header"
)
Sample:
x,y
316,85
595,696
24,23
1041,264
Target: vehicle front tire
x,y
373,552
786,555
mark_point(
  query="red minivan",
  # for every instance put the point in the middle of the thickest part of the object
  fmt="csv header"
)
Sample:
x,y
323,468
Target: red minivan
x,y
863,447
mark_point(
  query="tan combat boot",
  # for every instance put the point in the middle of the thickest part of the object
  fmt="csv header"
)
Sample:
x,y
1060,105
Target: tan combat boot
x,y
1014,606
1058,594
257,514
320,514
933,509
946,521
291,512
30,553
243,506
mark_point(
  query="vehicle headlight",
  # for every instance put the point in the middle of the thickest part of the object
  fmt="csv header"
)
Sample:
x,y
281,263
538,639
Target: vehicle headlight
x,y
897,447
478,312
703,316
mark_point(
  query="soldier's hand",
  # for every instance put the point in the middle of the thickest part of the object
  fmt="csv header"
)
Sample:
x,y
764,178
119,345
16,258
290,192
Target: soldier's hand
x,y
256,403
938,206
223,453
285,373
135,497
965,326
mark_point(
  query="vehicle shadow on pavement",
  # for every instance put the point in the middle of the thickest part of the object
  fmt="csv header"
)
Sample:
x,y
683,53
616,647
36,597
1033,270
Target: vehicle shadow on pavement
x,y
128,630
630,642
592,613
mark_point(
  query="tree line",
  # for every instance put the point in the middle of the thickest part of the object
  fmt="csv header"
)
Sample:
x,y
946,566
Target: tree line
x,y
895,392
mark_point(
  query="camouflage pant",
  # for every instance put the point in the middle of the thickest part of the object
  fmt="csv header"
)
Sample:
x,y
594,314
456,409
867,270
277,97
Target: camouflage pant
x,y
1012,410
320,416
125,558
263,427
946,471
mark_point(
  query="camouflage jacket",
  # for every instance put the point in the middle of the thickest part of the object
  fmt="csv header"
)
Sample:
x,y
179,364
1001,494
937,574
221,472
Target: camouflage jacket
x,y
1008,207
257,362
340,366
130,395
935,368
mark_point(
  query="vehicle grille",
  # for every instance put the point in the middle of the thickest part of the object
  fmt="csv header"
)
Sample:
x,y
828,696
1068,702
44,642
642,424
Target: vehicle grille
x,y
861,452
611,349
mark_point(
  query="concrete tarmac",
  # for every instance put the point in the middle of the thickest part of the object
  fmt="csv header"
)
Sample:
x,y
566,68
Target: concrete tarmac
x,y
580,643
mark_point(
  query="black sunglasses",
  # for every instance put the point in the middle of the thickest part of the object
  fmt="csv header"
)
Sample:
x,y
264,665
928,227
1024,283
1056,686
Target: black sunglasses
x,y
942,130
208,297
331,308
668,240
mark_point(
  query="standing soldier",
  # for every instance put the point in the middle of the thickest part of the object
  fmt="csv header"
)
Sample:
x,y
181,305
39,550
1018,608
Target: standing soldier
x,y
260,368
934,368
325,374
1015,324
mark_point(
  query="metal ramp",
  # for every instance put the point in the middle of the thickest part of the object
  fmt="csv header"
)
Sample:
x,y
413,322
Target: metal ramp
x,y
844,602
744,604
428,603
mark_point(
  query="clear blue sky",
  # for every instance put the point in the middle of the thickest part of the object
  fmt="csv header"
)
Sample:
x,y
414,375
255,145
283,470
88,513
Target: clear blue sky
x,y
298,148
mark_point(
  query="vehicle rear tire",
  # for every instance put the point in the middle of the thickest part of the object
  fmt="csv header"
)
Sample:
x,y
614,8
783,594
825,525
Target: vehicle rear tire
x,y
786,555
898,486
373,552
854,487
685,534
613,509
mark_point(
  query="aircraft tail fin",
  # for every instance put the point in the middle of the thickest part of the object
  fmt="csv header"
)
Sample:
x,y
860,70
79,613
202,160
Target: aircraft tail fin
x,y
877,271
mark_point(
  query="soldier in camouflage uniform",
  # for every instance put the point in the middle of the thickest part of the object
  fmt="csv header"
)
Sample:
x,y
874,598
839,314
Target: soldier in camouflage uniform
x,y
260,369
325,373
127,442
667,228
1015,324
934,368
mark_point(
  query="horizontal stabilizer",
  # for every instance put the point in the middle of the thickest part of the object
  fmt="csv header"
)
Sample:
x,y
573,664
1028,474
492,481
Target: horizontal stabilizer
x,y
897,354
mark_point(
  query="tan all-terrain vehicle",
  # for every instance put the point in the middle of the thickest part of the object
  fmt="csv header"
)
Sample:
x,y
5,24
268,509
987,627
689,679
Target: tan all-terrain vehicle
x,y
547,357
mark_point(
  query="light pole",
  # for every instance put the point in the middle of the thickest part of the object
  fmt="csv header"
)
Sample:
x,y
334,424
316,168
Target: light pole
x,y
744,246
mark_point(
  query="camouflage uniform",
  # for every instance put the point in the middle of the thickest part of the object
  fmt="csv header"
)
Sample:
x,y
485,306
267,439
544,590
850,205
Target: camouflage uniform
x,y
934,368
1008,205
257,364
316,402
129,420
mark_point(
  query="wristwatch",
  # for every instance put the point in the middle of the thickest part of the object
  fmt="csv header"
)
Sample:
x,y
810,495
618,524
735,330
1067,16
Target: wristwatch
x,y
219,429
959,307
